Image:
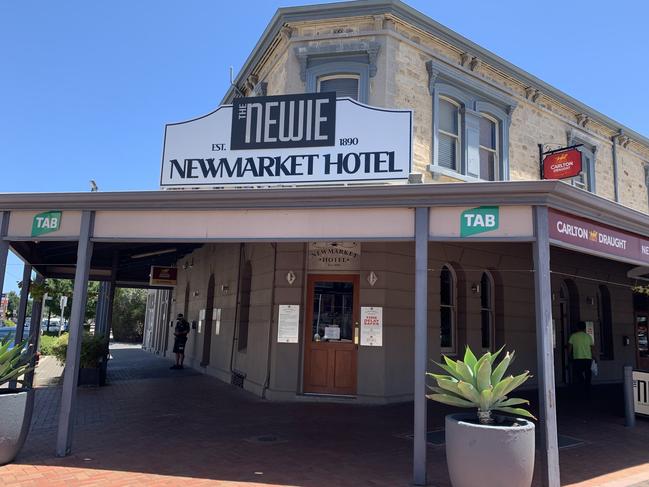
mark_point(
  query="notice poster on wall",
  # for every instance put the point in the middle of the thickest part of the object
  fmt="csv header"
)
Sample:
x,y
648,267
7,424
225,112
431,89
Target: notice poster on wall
x,y
216,320
288,323
640,392
371,326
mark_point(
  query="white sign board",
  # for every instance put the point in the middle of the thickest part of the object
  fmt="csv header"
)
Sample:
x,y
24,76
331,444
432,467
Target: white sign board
x,y
288,323
341,256
63,303
216,320
371,326
301,138
641,392
332,333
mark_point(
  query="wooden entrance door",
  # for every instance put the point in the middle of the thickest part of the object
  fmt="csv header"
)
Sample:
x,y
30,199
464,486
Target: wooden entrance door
x,y
642,340
331,334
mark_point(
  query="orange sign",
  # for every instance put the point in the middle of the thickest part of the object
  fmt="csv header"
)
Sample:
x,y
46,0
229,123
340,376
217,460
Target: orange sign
x,y
163,276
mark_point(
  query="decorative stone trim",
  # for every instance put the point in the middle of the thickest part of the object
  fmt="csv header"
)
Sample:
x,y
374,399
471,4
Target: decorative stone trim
x,y
286,32
582,119
368,47
532,94
474,64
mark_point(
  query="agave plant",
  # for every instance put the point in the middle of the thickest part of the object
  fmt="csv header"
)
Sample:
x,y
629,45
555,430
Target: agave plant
x,y
13,361
476,383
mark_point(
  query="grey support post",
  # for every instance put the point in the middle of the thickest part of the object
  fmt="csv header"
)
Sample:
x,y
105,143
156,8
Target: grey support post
x,y
34,330
77,316
544,350
4,247
421,345
22,306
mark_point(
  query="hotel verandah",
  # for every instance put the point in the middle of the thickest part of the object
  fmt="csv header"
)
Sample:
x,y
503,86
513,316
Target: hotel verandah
x,y
241,253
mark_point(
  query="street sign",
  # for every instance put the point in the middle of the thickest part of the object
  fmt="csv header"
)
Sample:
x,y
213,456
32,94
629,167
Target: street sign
x,y
47,222
479,220
63,302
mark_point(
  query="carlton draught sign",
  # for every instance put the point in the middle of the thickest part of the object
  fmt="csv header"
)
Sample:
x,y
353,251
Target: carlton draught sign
x,y
562,164
304,138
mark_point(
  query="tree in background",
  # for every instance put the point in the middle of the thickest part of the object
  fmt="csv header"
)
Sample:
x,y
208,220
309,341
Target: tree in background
x,y
12,307
128,314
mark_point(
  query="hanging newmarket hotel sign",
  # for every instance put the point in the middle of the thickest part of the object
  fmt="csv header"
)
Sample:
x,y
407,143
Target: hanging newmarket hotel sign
x,y
304,138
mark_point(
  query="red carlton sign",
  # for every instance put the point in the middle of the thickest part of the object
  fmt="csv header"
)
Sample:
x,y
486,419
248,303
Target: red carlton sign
x,y
596,238
562,165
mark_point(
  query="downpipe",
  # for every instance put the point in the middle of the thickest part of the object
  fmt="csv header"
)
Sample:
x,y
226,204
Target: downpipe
x,y
270,324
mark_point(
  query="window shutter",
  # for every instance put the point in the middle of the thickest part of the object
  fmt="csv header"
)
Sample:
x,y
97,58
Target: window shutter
x,y
342,86
446,151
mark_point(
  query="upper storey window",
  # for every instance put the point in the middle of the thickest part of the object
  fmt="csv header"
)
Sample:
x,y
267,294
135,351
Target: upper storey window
x,y
449,141
588,149
342,84
470,126
489,150
345,69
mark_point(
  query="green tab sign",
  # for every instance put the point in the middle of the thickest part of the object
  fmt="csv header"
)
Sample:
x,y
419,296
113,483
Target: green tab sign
x,y
479,220
47,222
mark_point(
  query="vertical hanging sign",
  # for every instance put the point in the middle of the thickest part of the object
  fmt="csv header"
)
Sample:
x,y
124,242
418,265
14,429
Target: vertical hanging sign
x,y
371,326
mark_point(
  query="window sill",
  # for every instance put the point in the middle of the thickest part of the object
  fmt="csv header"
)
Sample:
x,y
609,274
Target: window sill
x,y
449,173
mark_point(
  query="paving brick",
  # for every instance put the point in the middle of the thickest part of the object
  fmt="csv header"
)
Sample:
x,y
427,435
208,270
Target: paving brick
x,y
171,428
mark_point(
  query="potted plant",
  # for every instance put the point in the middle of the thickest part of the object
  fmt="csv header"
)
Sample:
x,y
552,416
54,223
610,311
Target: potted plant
x,y
484,448
92,361
16,405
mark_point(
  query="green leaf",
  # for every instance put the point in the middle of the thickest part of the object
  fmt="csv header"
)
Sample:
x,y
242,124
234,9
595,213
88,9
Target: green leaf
x,y
451,400
469,392
486,399
501,368
450,370
465,372
483,378
494,355
516,411
517,381
450,386
499,388
469,358
511,402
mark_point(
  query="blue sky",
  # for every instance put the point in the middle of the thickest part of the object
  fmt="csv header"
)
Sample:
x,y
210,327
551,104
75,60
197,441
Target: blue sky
x,y
87,87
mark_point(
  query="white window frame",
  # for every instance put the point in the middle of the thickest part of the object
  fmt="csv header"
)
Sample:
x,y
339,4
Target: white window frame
x,y
452,350
457,137
327,77
496,150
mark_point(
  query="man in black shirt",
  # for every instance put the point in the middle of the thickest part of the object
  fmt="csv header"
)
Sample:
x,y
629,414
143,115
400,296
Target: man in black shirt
x,y
181,332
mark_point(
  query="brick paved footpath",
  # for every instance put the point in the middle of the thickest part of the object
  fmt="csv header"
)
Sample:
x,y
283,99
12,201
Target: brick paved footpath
x,y
151,426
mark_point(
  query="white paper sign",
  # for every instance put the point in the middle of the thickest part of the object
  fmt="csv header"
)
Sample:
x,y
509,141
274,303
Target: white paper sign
x,y
641,392
216,320
288,323
371,326
201,315
332,333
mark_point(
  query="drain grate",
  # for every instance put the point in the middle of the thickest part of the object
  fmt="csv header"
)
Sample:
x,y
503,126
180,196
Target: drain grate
x,y
237,378
267,439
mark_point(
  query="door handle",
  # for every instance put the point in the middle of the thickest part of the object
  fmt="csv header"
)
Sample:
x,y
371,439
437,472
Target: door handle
x,y
356,334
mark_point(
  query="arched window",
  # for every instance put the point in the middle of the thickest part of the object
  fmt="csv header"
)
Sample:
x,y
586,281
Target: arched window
x,y
487,310
245,286
448,309
605,323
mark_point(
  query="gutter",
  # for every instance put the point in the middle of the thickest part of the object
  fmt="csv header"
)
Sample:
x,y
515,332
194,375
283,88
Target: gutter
x,y
615,168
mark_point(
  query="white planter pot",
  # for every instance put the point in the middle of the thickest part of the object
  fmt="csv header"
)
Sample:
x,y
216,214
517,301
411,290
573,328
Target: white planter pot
x,y
16,406
489,455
